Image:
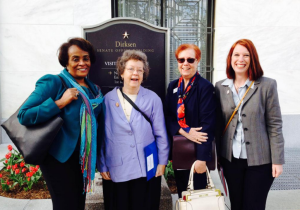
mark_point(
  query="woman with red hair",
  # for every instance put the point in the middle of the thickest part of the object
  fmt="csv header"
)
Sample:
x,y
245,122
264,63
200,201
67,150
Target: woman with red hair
x,y
190,108
251,145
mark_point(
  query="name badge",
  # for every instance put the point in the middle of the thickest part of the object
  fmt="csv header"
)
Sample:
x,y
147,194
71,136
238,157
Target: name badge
x,y
175,90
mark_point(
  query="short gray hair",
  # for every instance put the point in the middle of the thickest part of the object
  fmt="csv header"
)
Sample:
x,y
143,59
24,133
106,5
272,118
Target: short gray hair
x,y
133,55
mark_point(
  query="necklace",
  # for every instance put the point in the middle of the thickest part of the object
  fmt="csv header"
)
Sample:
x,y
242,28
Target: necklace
x,y
124,108
236,88
127,110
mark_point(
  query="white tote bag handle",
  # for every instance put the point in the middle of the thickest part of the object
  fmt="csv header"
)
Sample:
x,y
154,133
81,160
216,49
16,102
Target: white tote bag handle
x,y
210,183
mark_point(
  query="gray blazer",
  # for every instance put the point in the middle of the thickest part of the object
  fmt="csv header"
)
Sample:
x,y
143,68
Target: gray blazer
x,y
262,123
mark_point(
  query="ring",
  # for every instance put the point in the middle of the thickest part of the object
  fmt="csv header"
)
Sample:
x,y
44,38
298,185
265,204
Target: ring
x,y
77,94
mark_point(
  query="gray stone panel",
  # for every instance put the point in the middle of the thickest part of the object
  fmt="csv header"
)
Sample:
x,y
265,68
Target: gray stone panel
x,y
12,204
38,204
283,200
291,130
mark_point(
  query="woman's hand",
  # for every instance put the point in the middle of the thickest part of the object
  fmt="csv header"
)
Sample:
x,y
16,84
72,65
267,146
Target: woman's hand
x,y
106,175
68,96
160,170
200,167
194,135
276,170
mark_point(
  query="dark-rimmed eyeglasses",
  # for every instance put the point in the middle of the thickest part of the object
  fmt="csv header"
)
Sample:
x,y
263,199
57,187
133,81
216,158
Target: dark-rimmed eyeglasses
x,y
189,60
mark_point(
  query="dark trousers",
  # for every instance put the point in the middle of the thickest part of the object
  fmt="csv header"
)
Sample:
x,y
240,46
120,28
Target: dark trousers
x,y
136,194
248,185
65,182
182,178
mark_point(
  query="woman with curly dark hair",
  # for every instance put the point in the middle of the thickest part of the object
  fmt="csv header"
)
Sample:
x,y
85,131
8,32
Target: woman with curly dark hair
x,y
69,167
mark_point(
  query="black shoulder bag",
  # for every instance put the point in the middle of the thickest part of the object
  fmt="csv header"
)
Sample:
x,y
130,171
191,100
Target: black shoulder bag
x,y
33,142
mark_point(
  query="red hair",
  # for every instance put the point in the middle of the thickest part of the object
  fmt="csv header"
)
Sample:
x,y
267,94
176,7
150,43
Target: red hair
x,y
189,46
255,71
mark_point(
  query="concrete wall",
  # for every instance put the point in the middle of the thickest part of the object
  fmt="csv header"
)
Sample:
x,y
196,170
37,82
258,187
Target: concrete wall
x,y
274,28
30,34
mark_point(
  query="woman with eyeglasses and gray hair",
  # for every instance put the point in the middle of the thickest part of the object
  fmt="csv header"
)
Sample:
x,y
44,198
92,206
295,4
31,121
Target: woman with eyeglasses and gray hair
x,y
127,133
190,111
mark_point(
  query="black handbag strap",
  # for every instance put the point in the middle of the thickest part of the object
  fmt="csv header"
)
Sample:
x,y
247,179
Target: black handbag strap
x,y
135,106
63,82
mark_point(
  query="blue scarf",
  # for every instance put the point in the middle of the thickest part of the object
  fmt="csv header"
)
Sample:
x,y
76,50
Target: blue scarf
x,y
88,143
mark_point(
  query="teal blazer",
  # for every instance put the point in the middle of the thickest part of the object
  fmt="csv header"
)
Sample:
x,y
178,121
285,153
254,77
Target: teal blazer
x,y
40,107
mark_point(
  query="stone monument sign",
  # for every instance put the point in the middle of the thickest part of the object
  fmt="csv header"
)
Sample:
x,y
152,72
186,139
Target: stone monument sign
x,y
111,38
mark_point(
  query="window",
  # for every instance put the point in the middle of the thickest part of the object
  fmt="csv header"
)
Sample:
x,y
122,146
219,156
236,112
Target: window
x,y
190,21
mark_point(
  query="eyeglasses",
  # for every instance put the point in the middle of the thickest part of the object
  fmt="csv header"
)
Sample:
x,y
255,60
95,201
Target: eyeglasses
x,y
189,60
132,70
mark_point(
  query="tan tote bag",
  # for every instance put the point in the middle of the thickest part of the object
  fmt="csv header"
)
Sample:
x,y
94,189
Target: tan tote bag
x,y
205,199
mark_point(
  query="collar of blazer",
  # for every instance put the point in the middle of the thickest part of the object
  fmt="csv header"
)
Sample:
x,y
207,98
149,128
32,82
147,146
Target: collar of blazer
x,y
229,95
192,91
118,109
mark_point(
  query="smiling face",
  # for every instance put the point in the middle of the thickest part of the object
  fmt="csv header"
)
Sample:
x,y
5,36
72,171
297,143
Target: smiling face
x,y
186,69
79,63
240,60
133,74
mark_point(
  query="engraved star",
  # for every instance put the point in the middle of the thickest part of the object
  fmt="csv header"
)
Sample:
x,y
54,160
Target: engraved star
x,y
125,35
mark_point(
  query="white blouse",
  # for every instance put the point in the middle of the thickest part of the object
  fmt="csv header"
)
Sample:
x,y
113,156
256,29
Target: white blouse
x,y
126,106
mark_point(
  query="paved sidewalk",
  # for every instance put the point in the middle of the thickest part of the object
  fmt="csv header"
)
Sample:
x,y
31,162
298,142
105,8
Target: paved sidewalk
x,y
277,199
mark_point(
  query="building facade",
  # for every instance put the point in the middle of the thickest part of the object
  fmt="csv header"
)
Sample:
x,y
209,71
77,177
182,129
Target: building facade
x,y
32,31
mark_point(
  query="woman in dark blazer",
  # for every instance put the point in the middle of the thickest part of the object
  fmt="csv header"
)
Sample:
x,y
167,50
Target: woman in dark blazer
x,y
252,148
189,108
82,100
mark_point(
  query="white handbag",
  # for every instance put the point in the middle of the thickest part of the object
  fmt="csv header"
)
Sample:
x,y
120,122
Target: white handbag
x,y
205,199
